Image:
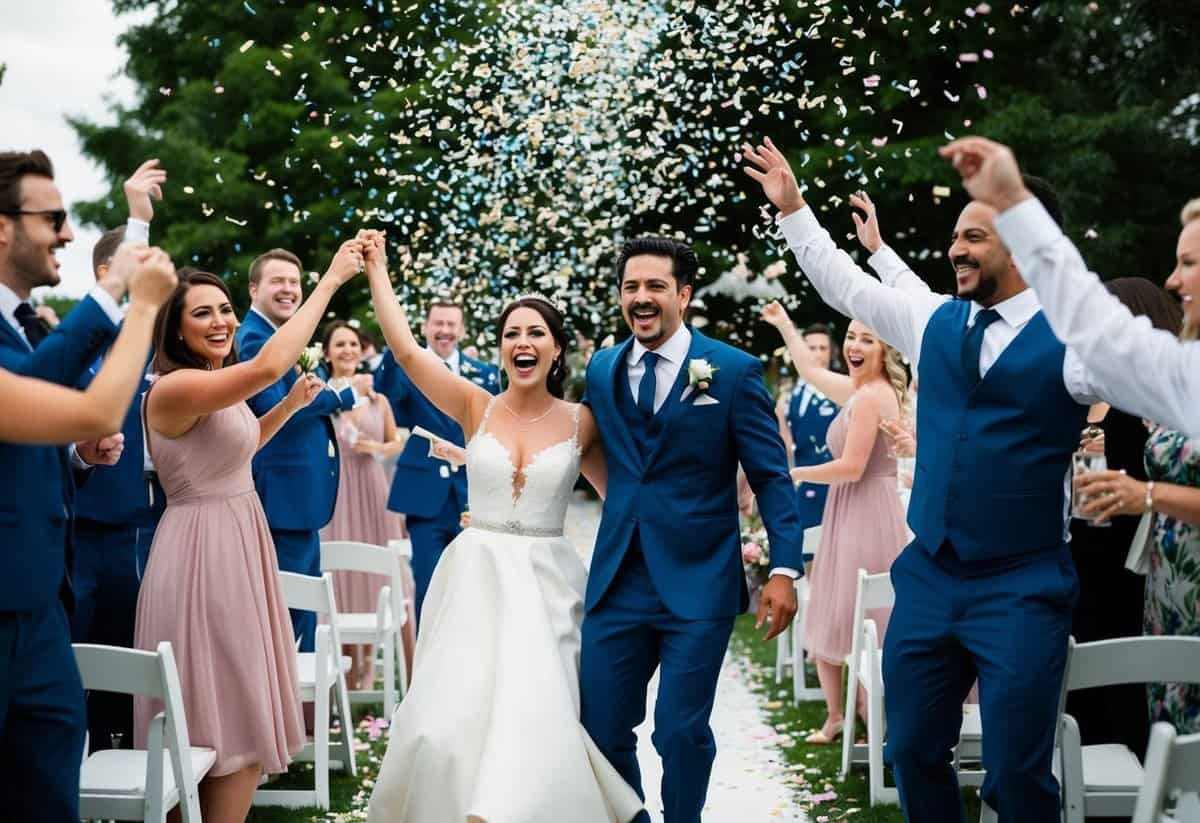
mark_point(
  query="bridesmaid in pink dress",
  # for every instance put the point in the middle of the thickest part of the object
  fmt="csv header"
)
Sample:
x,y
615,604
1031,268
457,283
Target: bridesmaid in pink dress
x,y
361,513
863,523
211,587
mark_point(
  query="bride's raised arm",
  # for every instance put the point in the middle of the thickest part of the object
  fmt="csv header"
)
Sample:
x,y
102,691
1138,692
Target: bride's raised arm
x,y
453,395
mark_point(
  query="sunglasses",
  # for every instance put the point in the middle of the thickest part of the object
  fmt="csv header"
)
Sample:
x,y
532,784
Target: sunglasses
x,y
57,216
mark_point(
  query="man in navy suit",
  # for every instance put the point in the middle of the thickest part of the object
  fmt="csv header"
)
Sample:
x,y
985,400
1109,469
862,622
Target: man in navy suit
x,y
116,512
987,587
432,493
41,695
677,413
809,413
296,473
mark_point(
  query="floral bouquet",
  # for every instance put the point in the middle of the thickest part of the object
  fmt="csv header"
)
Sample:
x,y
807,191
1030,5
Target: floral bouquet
x,y
756,557
310,358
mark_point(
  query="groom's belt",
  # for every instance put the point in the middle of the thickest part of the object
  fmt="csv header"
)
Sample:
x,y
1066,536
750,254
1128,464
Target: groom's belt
x,y
514,527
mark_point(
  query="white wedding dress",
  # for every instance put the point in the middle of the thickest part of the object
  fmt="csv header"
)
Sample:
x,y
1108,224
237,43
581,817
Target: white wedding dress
x,y
489,730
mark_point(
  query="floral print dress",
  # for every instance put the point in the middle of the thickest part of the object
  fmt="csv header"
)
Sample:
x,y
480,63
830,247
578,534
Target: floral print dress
x,y
1173,583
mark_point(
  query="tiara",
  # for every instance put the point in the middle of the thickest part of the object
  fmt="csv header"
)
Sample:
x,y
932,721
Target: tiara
x,y
537,295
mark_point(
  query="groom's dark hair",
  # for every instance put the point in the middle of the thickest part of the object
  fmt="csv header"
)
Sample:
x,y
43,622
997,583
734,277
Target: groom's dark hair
x,y
684,265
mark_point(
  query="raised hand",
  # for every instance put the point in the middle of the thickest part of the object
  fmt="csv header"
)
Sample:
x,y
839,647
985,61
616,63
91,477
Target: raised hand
x,y
143,187
989,171
374,251
154,279
303,392
770,168
103,452
776,315
347,262
868,230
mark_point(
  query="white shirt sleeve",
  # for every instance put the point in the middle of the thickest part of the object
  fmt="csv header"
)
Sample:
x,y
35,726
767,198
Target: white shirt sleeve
x,y
784,570
1139,369
137,231
897,316
894,272
106,302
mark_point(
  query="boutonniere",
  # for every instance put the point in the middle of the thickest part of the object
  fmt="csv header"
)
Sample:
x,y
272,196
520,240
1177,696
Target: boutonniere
x,y
700,374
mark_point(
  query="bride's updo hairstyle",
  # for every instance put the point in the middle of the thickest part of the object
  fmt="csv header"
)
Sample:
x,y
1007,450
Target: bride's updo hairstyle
x,y
559,372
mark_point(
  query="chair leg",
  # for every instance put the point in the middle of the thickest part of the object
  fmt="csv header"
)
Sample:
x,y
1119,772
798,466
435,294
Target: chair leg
x,y
799,676
389,674
347,724
321,741
781,646
402,683
875,745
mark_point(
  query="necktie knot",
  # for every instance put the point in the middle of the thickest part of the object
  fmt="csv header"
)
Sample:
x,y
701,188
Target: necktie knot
x,y
35,330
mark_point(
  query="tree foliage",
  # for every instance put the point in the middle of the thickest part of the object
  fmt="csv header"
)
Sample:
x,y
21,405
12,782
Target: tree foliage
x,y
290,126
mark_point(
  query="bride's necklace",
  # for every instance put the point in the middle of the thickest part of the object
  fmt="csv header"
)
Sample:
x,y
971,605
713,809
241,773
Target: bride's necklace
x,y
526,423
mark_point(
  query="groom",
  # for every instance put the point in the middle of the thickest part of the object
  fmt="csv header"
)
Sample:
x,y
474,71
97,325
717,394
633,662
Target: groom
x,y
677,413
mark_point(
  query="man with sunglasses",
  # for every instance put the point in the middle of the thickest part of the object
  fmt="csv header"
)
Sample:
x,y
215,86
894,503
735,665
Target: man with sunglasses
x,y
41,696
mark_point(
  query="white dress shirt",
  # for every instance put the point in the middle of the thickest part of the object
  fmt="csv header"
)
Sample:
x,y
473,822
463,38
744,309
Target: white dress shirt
x,y
899,315
454,361
671,357
1142,370
900,307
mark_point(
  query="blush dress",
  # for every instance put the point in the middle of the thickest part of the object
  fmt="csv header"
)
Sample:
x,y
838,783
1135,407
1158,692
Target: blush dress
x,y
863,527
361,515
212,589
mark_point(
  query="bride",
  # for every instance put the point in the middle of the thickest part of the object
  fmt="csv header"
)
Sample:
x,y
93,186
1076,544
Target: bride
x,y
489,731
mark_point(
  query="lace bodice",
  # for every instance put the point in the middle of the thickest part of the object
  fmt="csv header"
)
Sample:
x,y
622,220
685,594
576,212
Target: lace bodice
x,y
496,496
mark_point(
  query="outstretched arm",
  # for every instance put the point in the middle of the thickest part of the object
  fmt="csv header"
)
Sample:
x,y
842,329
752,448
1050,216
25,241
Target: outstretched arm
x,y
183,397
860,440
41,412
1140,369
884,261
303,392
837,387
455,396
897,317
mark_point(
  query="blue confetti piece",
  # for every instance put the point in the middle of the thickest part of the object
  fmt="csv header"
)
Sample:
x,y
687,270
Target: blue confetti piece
x,y
248,7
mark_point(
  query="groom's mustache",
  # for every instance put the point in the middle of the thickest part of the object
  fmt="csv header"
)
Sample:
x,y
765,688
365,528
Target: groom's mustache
x,y
643,307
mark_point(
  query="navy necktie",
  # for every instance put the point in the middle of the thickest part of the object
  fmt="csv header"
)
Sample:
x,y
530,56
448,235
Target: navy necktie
x,y
973,344
34,327
648,385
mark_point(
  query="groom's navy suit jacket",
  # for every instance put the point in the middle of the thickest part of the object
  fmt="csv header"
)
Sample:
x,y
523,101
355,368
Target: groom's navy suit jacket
x,y
681,497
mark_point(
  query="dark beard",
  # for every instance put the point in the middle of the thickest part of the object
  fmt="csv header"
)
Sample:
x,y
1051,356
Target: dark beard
x,y
26,259
984,290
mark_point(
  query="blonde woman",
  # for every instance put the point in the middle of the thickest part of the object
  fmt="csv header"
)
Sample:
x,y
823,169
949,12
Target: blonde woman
x,y
863,523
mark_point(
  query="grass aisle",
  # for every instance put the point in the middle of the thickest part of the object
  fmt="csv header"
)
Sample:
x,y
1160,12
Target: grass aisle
x,y
812,769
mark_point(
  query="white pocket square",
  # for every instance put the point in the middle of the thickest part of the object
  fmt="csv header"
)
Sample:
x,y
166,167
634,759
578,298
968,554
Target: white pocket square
x,y
705,400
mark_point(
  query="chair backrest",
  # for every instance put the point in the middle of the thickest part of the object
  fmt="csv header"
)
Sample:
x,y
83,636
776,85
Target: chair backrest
x,y
155,675
402,547
1124,660
345,555
1172,765
812,539
312,594
874,592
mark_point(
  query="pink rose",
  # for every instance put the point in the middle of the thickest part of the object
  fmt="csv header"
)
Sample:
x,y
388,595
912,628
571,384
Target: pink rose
x,y
751,552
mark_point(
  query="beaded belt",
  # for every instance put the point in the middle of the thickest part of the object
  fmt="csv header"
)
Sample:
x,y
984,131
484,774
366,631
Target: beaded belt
x,y
515,527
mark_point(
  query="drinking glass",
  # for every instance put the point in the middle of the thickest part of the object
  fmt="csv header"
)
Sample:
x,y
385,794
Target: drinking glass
x,y
1085,462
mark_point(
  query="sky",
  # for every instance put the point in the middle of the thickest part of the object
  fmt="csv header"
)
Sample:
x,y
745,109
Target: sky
x,y
63,59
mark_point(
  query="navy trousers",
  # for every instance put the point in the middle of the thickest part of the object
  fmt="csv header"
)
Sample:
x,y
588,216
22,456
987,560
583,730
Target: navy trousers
x,y
108,565
628,635
300,552
1008,626
430,536
41,717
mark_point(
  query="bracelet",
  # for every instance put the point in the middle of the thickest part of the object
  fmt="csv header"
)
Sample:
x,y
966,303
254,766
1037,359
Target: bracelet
x,y
1150,496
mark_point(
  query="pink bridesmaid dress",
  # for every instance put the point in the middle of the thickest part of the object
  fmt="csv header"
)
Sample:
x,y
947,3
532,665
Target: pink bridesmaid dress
x,y
361,514
212,589
863,527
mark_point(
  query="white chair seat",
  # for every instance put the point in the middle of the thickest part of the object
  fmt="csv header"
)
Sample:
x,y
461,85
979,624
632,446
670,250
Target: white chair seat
x,y
1111,767
118,772
360,627
972,723
306,668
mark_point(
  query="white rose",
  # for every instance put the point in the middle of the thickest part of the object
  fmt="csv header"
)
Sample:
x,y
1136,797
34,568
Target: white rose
x,y
699,371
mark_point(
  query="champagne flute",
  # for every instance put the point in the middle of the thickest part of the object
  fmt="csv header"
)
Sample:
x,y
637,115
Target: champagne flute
x,y
1086,462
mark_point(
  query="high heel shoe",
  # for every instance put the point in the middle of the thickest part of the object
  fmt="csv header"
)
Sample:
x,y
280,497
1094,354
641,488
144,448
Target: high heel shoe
x,y
828,733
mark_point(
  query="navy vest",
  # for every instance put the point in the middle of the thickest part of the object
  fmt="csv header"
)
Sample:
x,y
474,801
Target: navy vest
x,y
992,461
646,433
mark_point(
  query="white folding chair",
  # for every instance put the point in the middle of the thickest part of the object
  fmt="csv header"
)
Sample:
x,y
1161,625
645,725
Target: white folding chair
x,y
321,672
789,646
866,671
1104,780
1172,770
380,628
133,784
